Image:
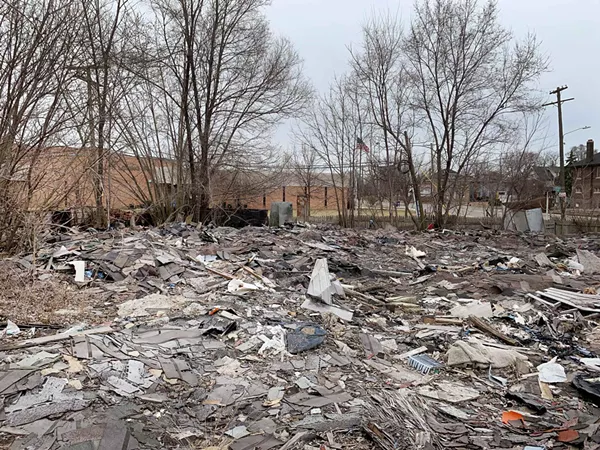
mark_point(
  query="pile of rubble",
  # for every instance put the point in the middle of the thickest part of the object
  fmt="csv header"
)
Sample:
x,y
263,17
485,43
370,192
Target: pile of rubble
x,y
310,338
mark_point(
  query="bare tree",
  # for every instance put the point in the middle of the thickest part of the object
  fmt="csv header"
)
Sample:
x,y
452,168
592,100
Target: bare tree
x,y
237,81
304,165
150,128
331,130
39,41
524,153
470,77
105,43
379,69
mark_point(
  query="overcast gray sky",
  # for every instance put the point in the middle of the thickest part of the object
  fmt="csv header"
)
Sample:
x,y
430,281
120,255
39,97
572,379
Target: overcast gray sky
x,y
568,29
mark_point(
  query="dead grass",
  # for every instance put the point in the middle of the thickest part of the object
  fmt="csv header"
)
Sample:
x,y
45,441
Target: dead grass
x,y
25,299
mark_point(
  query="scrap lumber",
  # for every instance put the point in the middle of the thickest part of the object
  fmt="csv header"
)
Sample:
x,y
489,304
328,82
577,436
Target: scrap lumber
x,y
484,326
390,273
360,295
55,338
221,274
442,321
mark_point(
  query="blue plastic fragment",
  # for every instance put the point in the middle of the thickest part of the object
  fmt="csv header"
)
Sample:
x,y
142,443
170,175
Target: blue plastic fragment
x,y
305,337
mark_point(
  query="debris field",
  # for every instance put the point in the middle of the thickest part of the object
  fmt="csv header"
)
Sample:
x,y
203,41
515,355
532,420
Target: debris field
x,y
301,337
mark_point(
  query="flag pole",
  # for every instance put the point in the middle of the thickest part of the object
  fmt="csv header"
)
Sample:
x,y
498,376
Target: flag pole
x,y
360,181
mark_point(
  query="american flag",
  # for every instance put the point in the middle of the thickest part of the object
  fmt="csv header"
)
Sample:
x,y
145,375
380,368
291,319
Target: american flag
x,y
360,145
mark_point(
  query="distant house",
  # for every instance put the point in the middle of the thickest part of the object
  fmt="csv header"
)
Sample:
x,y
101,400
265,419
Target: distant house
x,y
458,188
585,192
498,186
548,176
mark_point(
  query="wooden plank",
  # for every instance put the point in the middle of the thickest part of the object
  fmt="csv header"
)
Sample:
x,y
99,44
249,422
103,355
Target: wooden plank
x,y
390,273
265,280
410,353
442,321
221,274
484,326
55,338
366,297
292,442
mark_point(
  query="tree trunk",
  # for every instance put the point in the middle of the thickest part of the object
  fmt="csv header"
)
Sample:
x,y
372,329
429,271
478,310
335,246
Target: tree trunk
x,y
203,202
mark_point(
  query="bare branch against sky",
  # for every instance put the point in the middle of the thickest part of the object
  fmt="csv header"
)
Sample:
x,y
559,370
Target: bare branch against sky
x,y
322,30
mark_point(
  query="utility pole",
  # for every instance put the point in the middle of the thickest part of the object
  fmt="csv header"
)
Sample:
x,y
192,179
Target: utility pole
x,y
561,147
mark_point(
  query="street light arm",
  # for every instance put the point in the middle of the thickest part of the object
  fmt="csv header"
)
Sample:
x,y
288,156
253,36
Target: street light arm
x,y
582,128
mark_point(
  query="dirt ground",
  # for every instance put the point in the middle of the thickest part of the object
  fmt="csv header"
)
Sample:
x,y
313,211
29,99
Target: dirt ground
x,y
27,299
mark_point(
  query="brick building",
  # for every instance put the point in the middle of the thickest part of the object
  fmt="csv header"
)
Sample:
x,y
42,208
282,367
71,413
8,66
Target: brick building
x,y
585,192
255,193
62,178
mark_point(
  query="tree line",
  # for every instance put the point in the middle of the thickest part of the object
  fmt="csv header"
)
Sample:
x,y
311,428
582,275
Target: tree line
x,y
438,98
203,84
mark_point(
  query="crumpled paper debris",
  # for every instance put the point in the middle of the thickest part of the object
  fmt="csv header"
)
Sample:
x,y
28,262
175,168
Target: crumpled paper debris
x,y
552,372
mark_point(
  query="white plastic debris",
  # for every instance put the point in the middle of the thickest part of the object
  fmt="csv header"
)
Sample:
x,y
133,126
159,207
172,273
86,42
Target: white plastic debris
x,y
337,288
320,307
276,343
476,308
320,282
11,329
514,263
592,363
79,270
236,286
413,252
206,259
552,372
574,265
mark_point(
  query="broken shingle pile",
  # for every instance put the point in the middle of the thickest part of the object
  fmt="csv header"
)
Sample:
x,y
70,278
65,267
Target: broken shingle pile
x,y
311,338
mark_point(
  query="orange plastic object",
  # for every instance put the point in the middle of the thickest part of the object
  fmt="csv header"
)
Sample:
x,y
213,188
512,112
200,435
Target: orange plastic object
x,y
507,416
